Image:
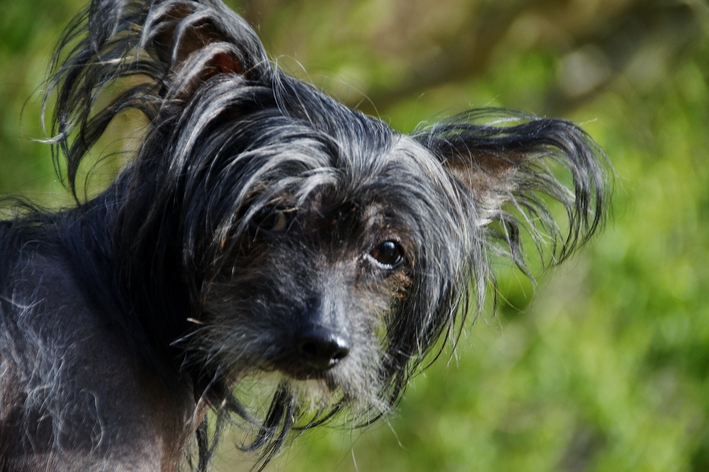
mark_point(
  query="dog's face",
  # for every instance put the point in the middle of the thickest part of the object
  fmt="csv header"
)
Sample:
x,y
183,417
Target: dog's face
x,y
333,279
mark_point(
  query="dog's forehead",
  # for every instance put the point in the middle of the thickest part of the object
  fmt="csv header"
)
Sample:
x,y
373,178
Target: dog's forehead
x,y
415,161
330,209
364,178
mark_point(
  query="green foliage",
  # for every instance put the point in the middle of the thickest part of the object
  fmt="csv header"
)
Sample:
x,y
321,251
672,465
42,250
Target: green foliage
x,y
605,367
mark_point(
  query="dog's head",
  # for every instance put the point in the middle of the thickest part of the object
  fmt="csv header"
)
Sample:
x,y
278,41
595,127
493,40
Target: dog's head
x,y
264,227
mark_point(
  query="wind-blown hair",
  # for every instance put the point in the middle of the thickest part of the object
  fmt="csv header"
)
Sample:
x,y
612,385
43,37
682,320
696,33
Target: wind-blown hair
x,y
229,139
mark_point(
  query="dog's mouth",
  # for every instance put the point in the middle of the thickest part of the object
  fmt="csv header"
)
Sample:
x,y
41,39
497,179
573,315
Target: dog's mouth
x,y
304,375
299,370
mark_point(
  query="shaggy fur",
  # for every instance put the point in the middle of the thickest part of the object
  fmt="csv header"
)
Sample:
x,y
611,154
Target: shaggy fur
x,y
261,230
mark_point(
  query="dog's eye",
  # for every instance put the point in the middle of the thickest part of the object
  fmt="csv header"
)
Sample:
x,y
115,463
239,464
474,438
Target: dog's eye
x,y
387,254
274,220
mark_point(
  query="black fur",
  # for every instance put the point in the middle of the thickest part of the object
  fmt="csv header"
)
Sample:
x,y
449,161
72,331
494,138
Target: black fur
x,y
261,228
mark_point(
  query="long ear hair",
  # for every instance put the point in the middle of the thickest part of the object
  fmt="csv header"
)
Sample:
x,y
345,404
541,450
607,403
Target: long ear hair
x,y
509,171
512,165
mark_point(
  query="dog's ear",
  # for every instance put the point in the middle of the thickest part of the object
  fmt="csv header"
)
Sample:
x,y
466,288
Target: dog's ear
x,y
164,49
198,41
490,176
511,170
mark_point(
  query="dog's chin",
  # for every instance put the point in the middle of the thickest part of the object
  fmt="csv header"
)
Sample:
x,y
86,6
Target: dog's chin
x,y
303,380
322,390
311,391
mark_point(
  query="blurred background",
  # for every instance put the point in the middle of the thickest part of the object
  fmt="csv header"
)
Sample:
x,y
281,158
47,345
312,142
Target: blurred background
x,y
604,367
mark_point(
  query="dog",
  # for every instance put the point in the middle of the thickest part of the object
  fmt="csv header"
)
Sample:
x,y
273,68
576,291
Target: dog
x,y
262,234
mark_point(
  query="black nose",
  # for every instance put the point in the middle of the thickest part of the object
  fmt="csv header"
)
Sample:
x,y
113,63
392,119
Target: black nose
x,y
321,348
